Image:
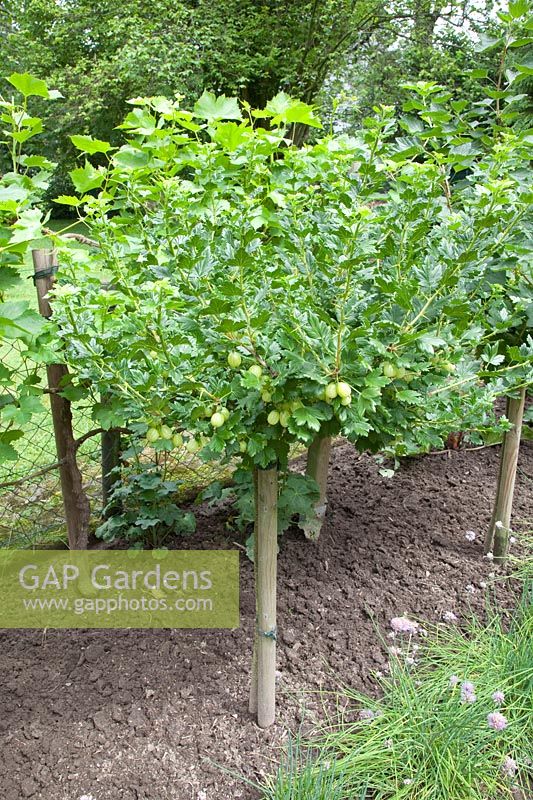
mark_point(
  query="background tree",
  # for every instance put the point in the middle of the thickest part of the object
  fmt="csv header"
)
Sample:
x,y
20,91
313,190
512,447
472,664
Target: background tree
x,y
100,53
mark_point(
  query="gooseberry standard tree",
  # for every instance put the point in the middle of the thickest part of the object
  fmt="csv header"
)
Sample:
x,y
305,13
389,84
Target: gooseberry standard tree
x,y
263,295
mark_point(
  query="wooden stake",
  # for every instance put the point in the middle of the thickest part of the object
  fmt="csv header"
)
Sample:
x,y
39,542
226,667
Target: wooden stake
x,y
317,468
253,681
266,573
497,538
75,501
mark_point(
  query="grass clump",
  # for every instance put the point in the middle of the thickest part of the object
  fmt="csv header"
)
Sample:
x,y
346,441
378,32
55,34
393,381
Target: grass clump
x,y
457,724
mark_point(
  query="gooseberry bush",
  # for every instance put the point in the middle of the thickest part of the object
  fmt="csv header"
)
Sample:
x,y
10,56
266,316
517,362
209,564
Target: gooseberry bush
x,y
262,295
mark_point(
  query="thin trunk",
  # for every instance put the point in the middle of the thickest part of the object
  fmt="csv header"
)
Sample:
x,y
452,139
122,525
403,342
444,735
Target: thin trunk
x,y
318,457
111,448
497,538
75,501
266,534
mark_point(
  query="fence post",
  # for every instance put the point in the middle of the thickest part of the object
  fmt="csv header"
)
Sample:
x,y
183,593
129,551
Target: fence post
x,y
497,537
75,501
263,688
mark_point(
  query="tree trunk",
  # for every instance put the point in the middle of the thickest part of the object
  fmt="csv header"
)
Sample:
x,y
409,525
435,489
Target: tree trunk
x,y
111,448
497,538
75,500
263,688
318,457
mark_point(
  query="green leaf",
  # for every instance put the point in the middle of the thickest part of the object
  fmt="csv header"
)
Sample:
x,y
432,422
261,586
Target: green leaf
x,y
89,145
140,121
11,196
428,343
526,67
409,396
487,42
518,8
7,451
18,320
8,278
131,157
28,85
283,108
521,42
230,135
305,416
214,108
69,200
86,178
28,227
411,123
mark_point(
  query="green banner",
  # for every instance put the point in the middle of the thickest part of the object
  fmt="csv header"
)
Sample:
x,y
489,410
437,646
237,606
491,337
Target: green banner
x,y
119,589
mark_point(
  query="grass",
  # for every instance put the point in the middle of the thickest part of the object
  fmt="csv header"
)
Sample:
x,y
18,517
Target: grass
x,y
420,741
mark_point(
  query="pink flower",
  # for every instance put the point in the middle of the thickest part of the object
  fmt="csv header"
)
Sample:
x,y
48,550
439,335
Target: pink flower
x,y
498,697
403,625
496,721
454,680
470,536
449,616
395,651
509,767
468,692
366,715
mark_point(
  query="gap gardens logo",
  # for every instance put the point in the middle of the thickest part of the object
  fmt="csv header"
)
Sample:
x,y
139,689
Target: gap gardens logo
x,y
119,589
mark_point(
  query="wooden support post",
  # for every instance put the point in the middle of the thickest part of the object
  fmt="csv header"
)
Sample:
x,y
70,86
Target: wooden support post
x,y
266,553
253,681
497,538
317,468
75,501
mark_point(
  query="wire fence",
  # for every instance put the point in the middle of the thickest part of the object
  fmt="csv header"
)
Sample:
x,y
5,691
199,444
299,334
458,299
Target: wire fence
x,y
31,503
33,508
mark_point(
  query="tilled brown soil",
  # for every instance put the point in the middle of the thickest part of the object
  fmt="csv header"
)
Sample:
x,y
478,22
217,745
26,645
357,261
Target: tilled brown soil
x,y
154,715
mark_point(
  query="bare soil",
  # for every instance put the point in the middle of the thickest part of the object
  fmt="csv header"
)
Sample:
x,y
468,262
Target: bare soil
x,y
162,715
